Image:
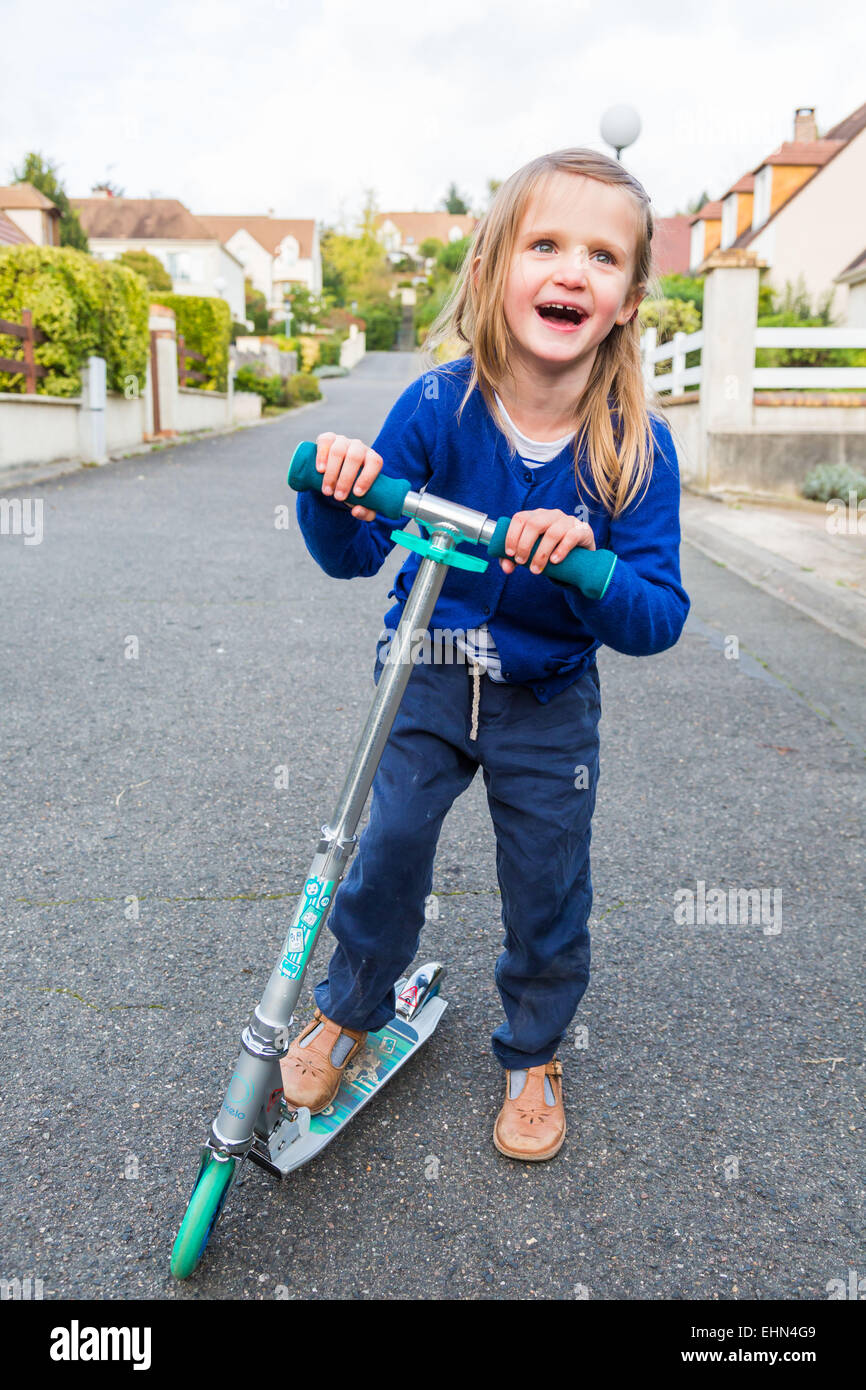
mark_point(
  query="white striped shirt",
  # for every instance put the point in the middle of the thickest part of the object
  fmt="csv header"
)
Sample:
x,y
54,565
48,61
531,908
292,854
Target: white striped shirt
x,y
478,643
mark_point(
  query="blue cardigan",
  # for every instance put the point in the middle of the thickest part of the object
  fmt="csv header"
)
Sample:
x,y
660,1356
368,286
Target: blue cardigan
x,y
546,633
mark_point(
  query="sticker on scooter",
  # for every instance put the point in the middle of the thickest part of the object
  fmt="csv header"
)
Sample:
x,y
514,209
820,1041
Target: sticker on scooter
x,y
302,933
384,1051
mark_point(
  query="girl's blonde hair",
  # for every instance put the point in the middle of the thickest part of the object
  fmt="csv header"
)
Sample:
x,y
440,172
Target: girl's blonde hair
x,y
473,314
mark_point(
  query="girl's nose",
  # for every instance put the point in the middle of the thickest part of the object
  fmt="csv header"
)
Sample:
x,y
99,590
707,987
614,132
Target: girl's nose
x,y
573,269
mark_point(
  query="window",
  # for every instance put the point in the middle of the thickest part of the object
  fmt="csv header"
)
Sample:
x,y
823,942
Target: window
x,y
729,220
763,190
696,254
179,265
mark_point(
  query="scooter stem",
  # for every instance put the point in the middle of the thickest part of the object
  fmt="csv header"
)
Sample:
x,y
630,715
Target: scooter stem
x,y
253,1100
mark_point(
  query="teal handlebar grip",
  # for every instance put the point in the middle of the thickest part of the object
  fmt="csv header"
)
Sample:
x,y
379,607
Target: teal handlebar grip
x,y
385,495
587,570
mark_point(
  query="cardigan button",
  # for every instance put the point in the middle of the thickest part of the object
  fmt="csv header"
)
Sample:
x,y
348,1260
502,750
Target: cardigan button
x,y
527,477
486,611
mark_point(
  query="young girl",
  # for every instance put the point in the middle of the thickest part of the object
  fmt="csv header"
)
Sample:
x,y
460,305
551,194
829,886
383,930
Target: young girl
x,y
543,417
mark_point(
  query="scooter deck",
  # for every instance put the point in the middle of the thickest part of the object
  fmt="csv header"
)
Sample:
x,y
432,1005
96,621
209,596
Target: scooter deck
x,y
384,1054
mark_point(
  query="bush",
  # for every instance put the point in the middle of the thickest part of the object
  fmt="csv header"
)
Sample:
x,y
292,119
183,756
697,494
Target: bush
x,y
301,388
83,306
684,287
383,321
831,480
274,391
451,257
669,316
308,353
804,357
149,267
270,388
329,352
205,322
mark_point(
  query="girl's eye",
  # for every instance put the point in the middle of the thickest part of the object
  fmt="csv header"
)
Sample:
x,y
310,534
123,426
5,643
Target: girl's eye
x,y
544,243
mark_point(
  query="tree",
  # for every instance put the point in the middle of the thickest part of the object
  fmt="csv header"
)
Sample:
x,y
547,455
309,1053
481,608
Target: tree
x,y
694,206
256,307
452,255
454,202
306,308
42,174
430,247
354,267
148,266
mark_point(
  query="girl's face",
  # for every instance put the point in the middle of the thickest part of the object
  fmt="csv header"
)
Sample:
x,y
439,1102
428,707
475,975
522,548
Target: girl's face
x,y
576,249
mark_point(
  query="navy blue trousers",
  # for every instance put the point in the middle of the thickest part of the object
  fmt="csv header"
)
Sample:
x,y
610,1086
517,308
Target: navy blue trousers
x,y
540,768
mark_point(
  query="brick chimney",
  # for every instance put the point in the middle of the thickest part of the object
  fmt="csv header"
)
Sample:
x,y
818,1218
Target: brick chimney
x,y
804,124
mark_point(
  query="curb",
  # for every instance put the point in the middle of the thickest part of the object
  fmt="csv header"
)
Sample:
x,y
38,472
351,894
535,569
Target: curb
x,y
832,605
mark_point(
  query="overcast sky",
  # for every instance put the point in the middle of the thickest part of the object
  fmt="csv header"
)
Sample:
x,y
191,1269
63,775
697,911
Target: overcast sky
x,y
300,106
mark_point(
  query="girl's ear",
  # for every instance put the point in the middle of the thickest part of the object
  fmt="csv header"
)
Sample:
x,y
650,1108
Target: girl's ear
x,y
476,265
628,312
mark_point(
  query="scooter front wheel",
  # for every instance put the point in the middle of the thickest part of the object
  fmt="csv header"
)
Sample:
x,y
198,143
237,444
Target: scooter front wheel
x,y
202,1214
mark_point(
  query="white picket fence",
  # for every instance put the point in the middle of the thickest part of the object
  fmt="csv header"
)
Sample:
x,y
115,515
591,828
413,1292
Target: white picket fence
x,y
680,376
674,352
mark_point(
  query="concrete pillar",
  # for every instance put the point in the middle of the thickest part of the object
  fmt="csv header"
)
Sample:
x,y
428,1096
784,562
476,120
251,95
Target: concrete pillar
x,y
91,426
728,353
163,362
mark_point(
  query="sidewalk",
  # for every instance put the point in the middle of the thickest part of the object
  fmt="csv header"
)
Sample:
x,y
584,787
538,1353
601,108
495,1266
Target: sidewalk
x,y
788,550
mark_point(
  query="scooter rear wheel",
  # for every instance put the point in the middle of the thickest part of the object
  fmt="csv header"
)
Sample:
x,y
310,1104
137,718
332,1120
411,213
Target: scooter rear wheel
x,y
202,1214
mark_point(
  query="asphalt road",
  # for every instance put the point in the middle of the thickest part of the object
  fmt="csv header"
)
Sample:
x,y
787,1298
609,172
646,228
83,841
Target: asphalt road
x,y
149,865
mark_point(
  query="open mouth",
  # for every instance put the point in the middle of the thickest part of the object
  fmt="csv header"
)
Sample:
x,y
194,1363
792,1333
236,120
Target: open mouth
x,y
566,316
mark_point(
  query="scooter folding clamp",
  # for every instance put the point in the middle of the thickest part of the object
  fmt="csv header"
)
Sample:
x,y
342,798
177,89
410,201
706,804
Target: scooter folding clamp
x,y
261,1039
340,849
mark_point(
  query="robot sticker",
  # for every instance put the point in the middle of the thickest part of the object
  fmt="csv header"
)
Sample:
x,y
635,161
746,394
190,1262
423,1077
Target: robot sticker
x,y
302,933
364,1068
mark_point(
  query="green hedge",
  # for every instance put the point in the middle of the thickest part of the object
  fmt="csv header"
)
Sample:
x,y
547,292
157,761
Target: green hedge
x,y
804,357
84,306
273,390
206,325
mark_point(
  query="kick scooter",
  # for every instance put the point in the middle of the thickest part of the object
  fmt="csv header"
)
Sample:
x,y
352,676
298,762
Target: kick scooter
x,y
255,1122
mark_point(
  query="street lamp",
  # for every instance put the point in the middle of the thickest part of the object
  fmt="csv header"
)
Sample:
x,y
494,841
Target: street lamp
x,y
620,127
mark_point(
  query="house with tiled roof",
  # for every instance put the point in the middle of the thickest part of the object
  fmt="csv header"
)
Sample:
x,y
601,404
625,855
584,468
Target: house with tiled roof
x,y
671,243
35,217
401,233
854,278
277,253
12,235
802,210
191,252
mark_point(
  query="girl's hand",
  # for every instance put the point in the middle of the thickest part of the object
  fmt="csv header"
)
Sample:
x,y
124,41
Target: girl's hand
x,y
559,534
348,466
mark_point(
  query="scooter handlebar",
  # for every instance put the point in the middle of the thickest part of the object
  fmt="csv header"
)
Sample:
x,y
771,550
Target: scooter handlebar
x,y
587,570
385,495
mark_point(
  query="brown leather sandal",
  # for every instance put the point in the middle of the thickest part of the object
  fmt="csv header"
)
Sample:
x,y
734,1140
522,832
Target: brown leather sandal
x,y
527,1127
309,1076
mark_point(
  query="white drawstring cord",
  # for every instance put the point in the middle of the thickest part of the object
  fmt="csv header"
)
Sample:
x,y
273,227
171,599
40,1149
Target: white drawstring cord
x,y
476,696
